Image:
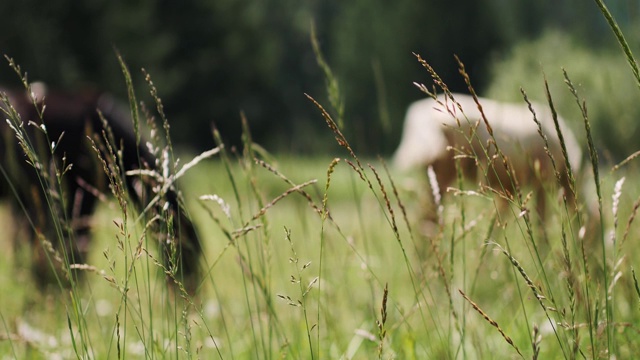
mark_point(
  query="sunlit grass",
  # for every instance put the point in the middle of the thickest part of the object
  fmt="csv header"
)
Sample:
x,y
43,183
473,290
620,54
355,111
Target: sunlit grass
x,y
328,257
357,263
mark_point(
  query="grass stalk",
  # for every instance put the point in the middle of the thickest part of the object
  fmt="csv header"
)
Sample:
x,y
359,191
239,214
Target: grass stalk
x,y
621,39
596,175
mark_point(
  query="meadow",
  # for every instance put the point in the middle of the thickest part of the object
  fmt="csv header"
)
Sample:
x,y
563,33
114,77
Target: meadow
x,y
329,257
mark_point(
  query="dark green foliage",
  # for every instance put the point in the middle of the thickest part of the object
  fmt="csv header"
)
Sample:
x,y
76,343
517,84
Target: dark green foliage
x,y
214,59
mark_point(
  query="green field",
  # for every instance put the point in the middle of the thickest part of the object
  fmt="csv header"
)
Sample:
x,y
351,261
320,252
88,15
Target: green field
x,y
331,258
295,284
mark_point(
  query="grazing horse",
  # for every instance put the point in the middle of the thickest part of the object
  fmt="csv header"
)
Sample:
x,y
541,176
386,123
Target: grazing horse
x,y
56,191
439,131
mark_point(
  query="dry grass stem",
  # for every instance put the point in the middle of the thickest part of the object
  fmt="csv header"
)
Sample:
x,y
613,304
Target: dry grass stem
x,y
491,322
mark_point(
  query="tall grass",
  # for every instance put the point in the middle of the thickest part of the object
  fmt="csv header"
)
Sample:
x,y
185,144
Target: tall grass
x,y
327,258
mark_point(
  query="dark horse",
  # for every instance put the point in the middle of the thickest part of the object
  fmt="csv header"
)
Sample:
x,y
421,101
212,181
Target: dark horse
x,y
56,194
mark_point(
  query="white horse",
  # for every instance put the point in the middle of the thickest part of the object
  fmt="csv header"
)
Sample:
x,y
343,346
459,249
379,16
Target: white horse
x,y
437,131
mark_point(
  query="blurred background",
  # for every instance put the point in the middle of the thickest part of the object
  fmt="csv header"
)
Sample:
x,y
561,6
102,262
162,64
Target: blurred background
x,y
212,60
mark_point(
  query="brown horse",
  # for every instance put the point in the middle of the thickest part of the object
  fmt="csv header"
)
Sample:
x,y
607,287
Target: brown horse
x,y
55,189
439,131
